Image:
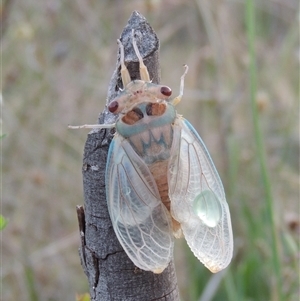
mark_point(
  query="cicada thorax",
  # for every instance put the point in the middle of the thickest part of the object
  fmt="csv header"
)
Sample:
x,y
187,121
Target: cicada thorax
x,y
148,127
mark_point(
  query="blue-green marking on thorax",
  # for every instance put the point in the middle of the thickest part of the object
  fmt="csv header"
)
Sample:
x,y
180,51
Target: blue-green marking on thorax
x,y
127,130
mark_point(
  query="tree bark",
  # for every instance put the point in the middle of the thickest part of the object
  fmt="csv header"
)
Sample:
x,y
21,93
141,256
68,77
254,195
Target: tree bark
x,y
111,274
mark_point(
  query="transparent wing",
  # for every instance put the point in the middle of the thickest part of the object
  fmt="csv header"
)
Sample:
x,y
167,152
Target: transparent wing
x,y
198,199
140,220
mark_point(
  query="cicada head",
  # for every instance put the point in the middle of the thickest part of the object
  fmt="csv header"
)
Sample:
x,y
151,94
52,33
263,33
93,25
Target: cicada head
x,y
137,91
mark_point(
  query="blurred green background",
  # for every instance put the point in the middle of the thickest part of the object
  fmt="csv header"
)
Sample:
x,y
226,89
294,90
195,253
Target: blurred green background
x,y
57,60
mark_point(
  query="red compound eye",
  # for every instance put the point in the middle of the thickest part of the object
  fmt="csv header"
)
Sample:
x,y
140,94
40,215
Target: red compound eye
x,y
166,91
113,106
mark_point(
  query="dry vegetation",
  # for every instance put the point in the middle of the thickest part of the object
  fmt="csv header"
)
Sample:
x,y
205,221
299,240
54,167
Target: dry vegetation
x,y
57,60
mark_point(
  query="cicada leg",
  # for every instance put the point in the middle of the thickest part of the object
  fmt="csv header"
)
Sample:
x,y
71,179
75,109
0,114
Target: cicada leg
x,y
92,126
177,99
124,71
143,69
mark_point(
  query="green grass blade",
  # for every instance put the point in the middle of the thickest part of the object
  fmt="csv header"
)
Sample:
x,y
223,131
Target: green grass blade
x,y
258,136
3,222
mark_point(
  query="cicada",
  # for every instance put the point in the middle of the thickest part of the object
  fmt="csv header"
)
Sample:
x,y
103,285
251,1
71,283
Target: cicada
x,y
161,182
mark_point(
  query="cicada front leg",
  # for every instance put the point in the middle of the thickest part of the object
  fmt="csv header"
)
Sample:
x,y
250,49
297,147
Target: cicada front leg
x,y
177,99
92,126
124,71
143,69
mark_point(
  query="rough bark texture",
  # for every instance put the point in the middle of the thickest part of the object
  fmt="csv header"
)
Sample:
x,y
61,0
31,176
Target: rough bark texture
x,y
111,274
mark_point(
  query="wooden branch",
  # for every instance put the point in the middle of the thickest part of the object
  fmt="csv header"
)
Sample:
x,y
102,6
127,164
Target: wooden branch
x,y
111,274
